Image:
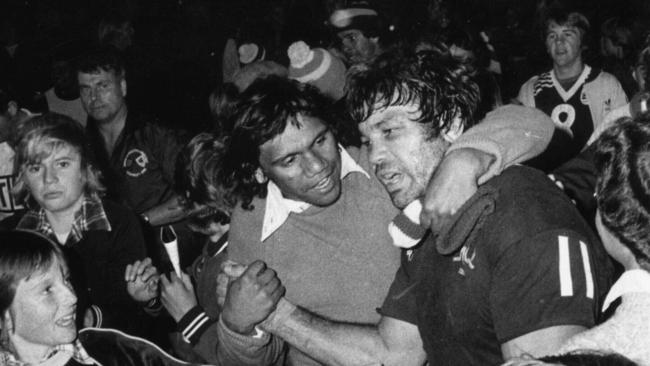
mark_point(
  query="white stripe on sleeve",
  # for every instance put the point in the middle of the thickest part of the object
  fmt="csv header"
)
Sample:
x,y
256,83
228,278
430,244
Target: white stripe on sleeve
x,y
589,280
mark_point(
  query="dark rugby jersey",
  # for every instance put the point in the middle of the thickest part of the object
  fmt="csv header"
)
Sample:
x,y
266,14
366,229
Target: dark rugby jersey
x,y
533,264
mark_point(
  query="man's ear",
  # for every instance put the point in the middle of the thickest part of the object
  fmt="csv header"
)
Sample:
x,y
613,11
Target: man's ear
x,y
455,129
260,177
12,108
6,323
123,86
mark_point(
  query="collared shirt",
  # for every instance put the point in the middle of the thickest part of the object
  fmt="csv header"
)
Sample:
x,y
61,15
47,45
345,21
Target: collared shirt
x,y
57,356
634,280
278,207
91,216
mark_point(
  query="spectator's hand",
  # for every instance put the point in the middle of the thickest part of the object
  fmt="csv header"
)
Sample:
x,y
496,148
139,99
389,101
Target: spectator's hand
x,y
142,280
251,298
177,295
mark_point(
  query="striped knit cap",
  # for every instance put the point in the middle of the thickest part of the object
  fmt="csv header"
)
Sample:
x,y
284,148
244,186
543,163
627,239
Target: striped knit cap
x,y
405,229
317,67
359,16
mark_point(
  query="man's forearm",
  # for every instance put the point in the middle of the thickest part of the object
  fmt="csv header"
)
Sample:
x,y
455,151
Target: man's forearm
x,y
165,213
511,134
343,344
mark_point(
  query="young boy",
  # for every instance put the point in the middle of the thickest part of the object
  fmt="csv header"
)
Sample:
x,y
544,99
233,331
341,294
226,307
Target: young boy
x,y
190,299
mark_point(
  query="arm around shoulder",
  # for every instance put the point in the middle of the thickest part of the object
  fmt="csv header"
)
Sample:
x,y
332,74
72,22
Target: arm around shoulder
x,y
511,134
526,92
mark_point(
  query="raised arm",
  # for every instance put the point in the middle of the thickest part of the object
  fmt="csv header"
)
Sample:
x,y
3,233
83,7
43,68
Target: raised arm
x,y
509,135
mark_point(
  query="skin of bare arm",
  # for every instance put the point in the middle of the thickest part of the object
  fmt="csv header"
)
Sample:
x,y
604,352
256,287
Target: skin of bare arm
x,y
167,212
390,342
542,342
508,135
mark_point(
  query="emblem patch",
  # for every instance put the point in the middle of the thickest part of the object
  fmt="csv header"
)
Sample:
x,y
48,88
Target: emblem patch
x,y
135,163
563,115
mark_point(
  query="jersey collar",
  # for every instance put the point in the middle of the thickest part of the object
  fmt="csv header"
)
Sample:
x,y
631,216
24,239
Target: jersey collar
x,y
567,94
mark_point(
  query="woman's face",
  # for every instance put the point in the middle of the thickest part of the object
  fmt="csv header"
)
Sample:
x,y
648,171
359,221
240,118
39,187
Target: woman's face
x,y
42,314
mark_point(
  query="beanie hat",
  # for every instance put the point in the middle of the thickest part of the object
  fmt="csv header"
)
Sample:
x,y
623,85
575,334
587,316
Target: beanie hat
x,y
245,76
251,52
317,67
359,16
406,229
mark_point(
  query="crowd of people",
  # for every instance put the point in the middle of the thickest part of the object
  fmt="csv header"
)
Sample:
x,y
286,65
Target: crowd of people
x,y
377,196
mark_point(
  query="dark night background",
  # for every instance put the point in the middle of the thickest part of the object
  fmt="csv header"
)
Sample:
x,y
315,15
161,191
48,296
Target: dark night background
x,y
175,59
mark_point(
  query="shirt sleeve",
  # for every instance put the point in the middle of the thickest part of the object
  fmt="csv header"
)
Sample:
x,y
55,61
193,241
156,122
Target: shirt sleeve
x,y
400,301
221,346
511,134
544,281
525,96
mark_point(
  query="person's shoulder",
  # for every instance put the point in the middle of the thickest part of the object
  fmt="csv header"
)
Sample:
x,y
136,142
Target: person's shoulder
x,y
150,131
607,78
530,82
518,177
140,122
541,77
529,201
529,88
246,221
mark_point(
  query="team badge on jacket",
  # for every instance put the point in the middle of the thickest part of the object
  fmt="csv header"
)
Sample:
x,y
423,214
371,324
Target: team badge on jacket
x,y
135,163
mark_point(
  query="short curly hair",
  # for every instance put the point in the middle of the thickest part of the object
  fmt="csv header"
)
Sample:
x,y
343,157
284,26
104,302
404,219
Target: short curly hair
x,y
197,179
622,161
264,110
440,85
